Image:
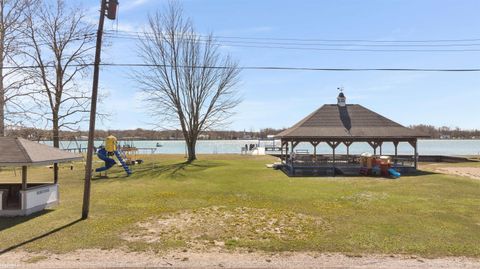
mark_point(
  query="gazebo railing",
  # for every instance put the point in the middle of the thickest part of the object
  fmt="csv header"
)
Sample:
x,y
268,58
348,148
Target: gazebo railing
x,y
308,160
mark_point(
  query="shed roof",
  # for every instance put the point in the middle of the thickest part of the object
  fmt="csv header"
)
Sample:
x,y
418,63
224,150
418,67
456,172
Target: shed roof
x,y
19,152
348,122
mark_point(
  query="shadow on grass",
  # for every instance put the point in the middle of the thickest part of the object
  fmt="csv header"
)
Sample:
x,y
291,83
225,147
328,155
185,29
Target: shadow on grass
x,y
8,222
338,173
422,173
8,249
175,170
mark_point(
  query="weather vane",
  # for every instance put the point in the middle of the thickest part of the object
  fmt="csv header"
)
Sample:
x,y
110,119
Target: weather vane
x,y
340,89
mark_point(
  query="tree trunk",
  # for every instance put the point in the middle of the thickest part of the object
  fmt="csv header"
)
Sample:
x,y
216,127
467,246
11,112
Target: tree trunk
x,y
55,131
2,105
191,143
2,90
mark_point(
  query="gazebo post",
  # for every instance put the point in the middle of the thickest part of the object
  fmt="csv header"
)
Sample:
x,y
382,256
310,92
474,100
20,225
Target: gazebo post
x,y
381,143
286,151
374,145
294,144
314,144
348,144
24,178
395,144
413,143
333,145
281,151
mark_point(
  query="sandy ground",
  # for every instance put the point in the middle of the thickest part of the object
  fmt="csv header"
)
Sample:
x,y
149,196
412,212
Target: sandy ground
x,y
471,172
217,259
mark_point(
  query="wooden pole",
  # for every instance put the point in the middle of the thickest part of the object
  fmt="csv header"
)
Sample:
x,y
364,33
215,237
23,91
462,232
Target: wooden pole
x,y
55,173
24,178
93,112
416,155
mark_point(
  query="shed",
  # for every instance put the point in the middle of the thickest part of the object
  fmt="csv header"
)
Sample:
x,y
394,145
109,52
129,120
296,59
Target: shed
x,y
25,198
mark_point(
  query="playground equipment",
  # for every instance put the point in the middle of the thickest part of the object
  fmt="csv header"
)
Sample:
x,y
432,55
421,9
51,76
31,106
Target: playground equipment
x,y
111,149
377,166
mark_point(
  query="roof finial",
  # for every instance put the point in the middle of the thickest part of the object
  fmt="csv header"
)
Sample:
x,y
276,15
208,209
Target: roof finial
x,y
341,99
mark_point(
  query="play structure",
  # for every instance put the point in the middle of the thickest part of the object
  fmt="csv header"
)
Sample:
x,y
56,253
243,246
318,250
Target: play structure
x,y
372,165
110,149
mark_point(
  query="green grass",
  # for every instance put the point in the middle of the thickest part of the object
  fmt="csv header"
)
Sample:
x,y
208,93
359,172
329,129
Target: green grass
x,y
238,201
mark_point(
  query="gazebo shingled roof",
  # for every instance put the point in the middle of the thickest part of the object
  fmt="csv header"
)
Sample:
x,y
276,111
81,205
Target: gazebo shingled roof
x,y
342,123
351,121
22,152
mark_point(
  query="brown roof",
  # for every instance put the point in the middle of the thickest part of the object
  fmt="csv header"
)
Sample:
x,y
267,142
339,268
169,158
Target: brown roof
x,y
19,151
349,122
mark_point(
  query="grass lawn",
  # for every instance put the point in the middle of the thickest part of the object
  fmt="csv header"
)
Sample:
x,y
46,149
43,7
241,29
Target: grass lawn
x,y
235,202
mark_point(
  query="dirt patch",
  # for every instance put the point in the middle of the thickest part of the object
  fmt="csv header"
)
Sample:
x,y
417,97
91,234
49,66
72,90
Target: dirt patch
x,y
223,227
96,258
471,172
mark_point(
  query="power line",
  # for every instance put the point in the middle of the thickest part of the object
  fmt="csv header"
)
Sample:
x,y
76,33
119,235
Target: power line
x,y
303,68
272,68
315,44
340,47
323,40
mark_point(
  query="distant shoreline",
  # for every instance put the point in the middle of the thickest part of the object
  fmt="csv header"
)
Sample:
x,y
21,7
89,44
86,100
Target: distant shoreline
x,y
247,139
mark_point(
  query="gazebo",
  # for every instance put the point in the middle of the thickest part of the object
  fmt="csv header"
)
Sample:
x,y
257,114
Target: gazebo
x,y
21,199
339,123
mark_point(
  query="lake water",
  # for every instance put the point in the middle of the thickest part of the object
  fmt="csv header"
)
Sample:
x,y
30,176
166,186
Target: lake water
x,y
425,147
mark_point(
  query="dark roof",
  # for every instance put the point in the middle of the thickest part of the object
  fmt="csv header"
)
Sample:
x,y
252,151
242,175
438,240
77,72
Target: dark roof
x,y
19,152
349,122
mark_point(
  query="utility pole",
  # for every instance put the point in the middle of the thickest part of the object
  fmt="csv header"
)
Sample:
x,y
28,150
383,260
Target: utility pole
x,y
108,8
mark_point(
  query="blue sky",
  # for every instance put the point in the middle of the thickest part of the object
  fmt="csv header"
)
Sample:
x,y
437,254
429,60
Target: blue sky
x,y
280,98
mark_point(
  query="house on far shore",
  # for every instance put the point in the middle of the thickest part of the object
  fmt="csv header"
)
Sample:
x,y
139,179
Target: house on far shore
x,y
342,123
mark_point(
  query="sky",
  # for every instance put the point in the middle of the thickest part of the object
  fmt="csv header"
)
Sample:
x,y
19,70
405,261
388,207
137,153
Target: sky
x,y
278,99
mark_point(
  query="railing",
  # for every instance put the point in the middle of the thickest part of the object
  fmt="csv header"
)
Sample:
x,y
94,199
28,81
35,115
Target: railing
x,y
307,160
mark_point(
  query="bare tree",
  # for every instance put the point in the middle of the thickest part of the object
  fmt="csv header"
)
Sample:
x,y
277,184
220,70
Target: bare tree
x,y
187,81
60,44
13,81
